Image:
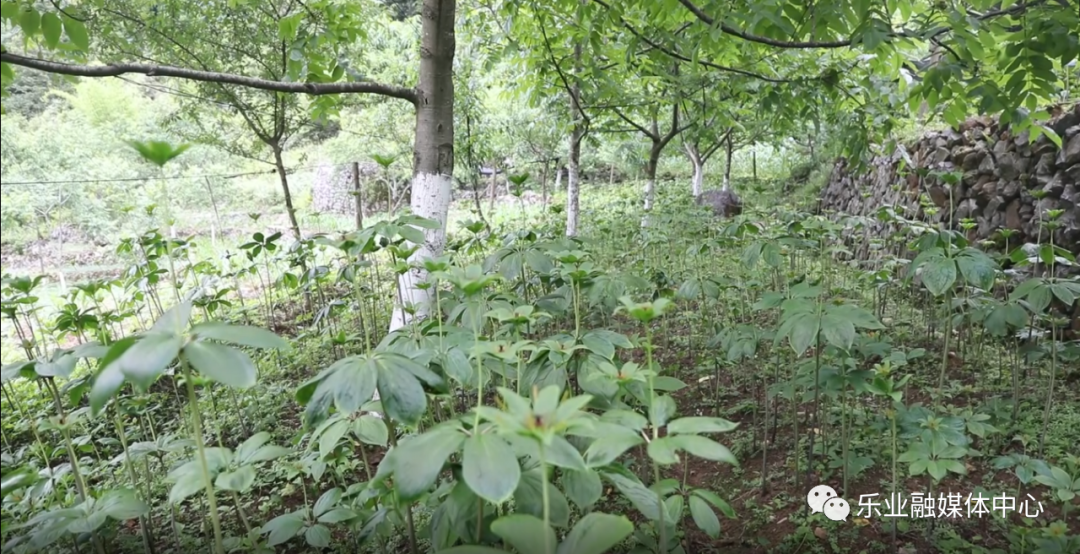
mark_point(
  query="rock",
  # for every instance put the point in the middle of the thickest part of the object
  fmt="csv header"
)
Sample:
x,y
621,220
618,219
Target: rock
x,y
1007,165
1055,187
967,208
1045,165
970,158
1070,154
723,202
1000,170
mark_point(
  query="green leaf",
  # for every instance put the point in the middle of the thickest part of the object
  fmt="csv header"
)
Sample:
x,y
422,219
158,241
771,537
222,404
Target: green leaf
x,y
283,528
457,366
29,20
704,517
667,384
243,335
145,360
529,499
225,365
700,425
51,29
174,321
716,501
939,276
317,536
401,395
338,515
661,410
371,430
122,504
330,437
662,451
802,331
490,468
9,10
526,533
705,448
646,501
582,487
417,461
288,26
76,33
977,268
107,382
267,453
326,501
837,331
187,480
599,345
596,533
158,152
606,450
563,454
239,480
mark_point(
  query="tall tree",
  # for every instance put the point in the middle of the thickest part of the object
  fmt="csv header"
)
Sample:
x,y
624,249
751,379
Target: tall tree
x,y
314,71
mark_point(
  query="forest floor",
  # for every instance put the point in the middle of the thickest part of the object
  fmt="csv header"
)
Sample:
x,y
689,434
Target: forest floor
x,y
719,343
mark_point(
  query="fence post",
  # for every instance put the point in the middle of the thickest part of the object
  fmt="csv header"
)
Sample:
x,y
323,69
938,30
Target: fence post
x,y
359,197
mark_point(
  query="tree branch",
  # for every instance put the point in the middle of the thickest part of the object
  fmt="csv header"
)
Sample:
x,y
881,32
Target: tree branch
x,y
114,70
727,29
672,53
558,69
633,124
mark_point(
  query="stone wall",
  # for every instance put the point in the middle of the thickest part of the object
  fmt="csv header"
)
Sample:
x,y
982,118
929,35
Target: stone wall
x,y
332,187
1000,171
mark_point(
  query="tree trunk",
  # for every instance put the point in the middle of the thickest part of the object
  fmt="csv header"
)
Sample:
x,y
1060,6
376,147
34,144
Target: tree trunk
x,y
698,181
573,182
359,196
753,159
543,183
650,180
279,163
558,177
493,186
573,169
727,165
433,150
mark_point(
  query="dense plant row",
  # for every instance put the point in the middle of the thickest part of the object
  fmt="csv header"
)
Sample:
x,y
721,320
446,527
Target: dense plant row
x,y
541,395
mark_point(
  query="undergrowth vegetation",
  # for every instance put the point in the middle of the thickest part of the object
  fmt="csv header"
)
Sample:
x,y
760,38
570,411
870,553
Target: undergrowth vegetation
x,y
675,388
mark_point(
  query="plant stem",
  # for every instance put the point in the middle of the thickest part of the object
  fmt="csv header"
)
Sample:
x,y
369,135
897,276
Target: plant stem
x,y
662,532
144,529
408,512
945,350
1050,392
548,547
197,431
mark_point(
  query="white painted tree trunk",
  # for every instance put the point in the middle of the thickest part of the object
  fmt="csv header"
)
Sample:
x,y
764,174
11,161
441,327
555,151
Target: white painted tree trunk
x,y
558,178
430,199
573,186
699,178
650,192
